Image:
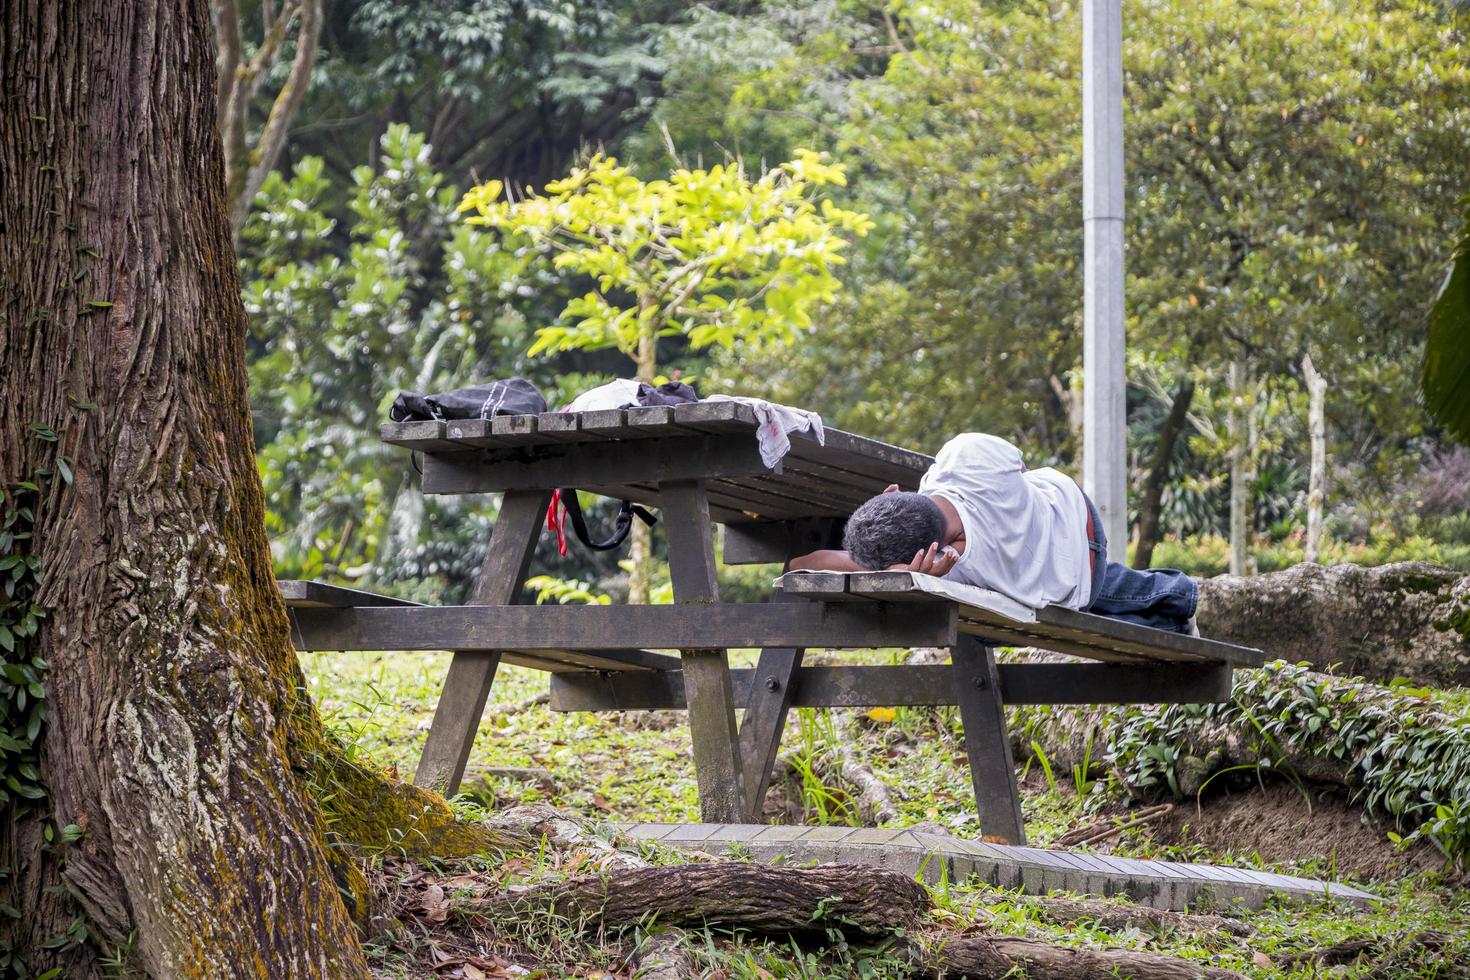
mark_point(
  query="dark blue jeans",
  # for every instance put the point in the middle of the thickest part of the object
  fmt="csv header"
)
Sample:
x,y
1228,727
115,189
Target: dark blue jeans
x,y
1163,598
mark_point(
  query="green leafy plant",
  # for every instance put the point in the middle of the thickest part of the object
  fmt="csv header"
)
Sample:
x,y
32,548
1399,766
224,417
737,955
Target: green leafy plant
x,y
711,254
564,591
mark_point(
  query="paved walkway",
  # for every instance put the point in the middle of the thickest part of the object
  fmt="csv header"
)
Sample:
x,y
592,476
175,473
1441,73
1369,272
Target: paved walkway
x,y
1160,884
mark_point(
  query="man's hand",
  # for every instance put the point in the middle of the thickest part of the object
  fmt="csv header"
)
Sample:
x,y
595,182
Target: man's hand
x,y
929,561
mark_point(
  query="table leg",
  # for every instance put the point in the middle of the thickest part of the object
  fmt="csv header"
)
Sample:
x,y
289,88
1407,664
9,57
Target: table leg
x,y
711,704
992,769
471,672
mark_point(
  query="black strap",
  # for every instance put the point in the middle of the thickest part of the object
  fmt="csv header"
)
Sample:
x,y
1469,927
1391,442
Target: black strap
x,y
621,526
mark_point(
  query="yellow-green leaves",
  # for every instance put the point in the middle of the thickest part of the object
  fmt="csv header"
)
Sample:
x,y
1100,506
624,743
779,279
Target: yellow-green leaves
x,y
710,254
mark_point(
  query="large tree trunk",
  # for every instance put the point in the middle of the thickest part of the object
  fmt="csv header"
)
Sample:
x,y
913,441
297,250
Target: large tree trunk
x,y
1317,474
1409,619
180,739
1153,488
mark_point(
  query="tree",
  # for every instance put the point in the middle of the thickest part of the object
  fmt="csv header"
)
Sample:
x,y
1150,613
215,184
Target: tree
x,y
1291,165
710,255
240,80
1447,357
163,806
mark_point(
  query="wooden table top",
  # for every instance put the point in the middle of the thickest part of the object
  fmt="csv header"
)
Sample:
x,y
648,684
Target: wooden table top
x,y
828,479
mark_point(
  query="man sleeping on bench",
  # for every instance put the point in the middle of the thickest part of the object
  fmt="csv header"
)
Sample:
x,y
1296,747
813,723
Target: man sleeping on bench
x,y
981,518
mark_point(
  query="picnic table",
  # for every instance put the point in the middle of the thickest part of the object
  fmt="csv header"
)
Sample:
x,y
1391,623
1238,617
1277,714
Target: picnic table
x,y
700,465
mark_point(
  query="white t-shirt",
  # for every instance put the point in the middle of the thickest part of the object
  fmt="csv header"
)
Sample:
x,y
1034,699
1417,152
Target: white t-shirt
x,y
1025,532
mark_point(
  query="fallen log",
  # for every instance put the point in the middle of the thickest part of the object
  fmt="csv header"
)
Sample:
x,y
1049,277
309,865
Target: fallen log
x,y
1408,619
859,901
992,957
1344,953
866,901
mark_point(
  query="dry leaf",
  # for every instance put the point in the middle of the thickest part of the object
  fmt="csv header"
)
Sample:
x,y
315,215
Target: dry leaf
x,y
465,881
474,972
433,895
1262,960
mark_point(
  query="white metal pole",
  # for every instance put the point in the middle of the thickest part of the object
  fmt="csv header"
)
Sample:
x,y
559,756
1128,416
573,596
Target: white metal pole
x,y
1104,412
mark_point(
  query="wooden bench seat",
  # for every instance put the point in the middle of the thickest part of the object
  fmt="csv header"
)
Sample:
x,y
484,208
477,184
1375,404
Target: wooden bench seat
x,y
1001,620
301,594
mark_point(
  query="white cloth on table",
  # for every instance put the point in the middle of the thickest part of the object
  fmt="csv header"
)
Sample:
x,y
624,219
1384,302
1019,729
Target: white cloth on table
x,y
1025,532
614,394
774,424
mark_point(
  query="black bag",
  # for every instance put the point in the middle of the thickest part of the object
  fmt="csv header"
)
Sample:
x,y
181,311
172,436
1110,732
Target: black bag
x,y
668,393
567,498
513,396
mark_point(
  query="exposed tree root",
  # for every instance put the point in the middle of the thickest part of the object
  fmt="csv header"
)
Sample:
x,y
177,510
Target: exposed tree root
x,y
1115,916
1102,830
989,956
537,820
866,901
874,803
367,809
1353,950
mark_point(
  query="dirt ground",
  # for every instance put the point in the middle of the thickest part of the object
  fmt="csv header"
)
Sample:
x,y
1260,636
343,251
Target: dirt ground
x,y
1278,823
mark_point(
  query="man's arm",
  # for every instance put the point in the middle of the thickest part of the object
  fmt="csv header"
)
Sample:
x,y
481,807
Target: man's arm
x,y
826,561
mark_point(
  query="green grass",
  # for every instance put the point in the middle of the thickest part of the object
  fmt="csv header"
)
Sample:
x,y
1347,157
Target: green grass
x,y
636,767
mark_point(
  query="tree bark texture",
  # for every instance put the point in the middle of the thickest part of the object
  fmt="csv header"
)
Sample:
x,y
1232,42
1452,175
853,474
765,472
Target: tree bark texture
x,y
1317,472
993,957
859,900
1158,473
1408,619
176,704
865,901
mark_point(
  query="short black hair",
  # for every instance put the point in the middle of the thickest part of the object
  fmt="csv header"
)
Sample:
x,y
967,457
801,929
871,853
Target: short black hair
x,y
890,528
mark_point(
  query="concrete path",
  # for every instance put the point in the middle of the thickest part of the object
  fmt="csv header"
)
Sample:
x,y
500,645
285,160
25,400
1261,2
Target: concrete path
x,y
1160,884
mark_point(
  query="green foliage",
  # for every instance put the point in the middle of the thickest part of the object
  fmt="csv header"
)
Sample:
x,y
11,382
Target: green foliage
x,y
1290,165
1205,555
1447,351
1409,757
565,591
499,86
354,294
22,667
710,254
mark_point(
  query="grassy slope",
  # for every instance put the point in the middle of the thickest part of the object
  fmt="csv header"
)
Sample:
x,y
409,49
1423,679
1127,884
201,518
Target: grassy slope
x,y
620,767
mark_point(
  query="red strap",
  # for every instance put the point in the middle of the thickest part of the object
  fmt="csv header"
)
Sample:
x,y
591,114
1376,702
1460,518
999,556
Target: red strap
x,y
554,522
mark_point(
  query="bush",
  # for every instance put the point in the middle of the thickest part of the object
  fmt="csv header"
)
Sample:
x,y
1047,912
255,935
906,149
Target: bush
x,y
1209,554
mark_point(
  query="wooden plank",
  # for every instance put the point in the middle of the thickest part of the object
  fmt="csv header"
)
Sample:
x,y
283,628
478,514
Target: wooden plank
x,y
418,436
474,432
591,464
992,770
908,686
706,668
762,542
584,661
842,450
303,594
472,669
516,430
717,625
562,427
1055,628
613,424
